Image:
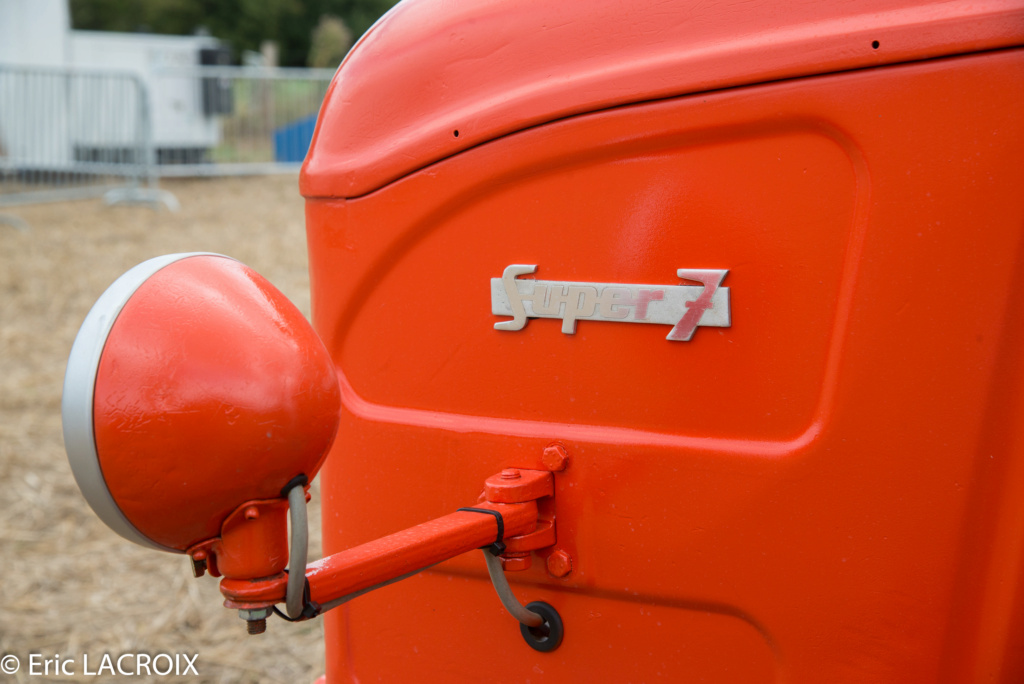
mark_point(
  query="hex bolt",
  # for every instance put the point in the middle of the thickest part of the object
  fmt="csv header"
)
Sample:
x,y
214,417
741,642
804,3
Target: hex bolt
x,y
555,458
559,563
255,620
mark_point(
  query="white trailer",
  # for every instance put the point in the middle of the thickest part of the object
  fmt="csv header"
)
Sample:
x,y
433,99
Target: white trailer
x,y
184,109
56,109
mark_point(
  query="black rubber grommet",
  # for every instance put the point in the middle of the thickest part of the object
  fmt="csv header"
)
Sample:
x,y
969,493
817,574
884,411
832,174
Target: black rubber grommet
x,y
549,635
292,483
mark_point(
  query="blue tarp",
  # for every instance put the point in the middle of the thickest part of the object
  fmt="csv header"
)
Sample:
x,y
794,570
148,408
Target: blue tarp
x,y
291,141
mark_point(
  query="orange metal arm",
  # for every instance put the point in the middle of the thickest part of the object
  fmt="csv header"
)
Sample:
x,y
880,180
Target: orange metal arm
x,y
416,548
387,558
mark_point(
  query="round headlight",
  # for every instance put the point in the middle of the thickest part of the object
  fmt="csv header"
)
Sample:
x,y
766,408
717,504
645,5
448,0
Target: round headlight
x,y
193,387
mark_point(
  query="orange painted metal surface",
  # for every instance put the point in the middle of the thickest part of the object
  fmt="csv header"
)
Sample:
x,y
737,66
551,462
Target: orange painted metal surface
x,y
210,371
253,541
828,490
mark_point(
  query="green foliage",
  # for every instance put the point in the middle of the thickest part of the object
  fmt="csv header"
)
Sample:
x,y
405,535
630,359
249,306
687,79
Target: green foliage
x,y
243,24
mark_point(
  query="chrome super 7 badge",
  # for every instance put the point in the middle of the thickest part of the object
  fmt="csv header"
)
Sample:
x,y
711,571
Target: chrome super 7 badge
x,y
684,307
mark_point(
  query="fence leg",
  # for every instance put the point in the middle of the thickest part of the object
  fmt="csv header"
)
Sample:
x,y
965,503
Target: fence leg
x,y
150,197
145,163
15,222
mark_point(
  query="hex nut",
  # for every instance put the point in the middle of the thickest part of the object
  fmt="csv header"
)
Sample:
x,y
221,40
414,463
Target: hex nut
x,y
254,614
515,563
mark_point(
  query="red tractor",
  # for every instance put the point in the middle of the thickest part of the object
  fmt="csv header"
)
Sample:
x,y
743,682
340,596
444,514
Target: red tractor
x,y
802,462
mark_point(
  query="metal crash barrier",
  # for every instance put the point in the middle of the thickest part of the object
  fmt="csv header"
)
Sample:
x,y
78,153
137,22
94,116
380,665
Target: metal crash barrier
x,y
72,134
241,120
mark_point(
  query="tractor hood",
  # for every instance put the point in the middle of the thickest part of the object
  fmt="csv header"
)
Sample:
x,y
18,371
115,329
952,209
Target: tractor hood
x,y
435,77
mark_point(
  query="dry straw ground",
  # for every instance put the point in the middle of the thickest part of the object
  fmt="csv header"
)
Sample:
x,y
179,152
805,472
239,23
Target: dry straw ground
x,y
68,585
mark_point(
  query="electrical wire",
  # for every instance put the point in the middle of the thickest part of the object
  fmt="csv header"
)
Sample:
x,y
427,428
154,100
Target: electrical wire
x,y
508,599
298,551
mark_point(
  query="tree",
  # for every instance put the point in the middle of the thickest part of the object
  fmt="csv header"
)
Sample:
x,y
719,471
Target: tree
x,y
242,24
331,40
